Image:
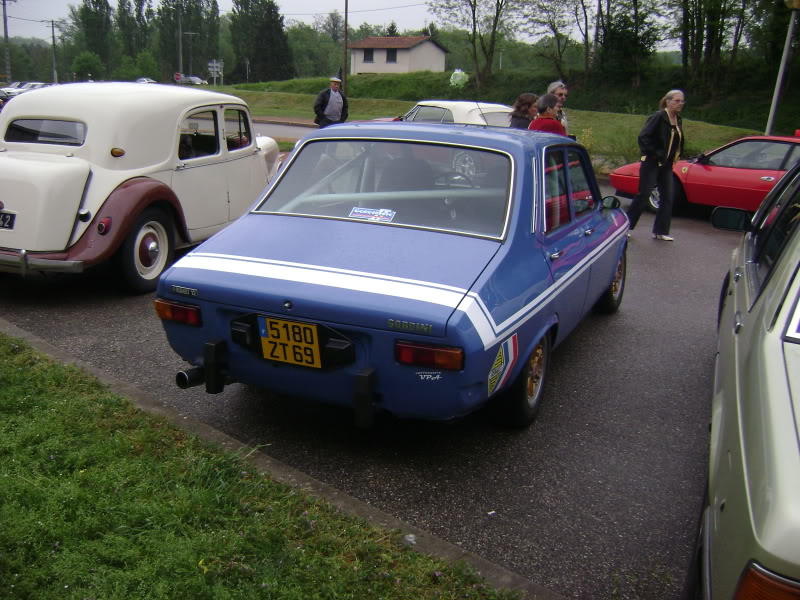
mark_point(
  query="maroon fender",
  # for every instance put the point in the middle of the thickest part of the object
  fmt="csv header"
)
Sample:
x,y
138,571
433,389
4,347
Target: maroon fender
x,y
123,206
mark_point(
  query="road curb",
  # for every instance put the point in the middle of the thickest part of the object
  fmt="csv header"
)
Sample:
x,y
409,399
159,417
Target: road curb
x,y
424,542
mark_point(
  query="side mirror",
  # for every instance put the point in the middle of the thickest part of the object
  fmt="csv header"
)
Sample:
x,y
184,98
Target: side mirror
x,y
702,159
731,219
611,202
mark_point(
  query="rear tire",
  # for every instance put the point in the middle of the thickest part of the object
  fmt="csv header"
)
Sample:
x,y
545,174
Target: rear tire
x,y
519,405
147,251
611,299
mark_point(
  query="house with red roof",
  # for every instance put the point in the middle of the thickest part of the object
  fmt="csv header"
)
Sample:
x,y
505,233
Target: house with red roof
x,y
396,55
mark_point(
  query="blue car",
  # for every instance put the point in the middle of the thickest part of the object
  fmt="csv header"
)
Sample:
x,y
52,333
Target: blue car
x,y
378,272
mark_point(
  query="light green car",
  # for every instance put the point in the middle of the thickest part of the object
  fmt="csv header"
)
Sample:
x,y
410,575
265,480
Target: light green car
x,y
749,540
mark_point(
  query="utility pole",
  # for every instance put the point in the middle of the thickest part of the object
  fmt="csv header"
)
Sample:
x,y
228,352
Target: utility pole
x,y
53,32
346,57
190,34
180,43
8,48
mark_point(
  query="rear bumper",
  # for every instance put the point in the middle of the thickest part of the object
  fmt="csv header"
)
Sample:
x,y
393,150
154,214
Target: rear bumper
x,y
22,262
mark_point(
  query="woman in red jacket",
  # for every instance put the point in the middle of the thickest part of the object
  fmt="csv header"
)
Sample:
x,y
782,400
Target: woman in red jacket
x,y
546,120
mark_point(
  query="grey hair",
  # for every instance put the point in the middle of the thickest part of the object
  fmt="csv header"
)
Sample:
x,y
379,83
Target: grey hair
x,y
555,85
667,97
546,101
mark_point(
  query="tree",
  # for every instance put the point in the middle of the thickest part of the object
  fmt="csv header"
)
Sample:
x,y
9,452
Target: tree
x,y
483,20
198,21
93,21
391,30
626,48
260,41
314,53
331,25
551,21
87,65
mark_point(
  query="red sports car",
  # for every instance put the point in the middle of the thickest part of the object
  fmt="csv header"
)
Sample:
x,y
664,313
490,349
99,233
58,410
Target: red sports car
x,y
738,175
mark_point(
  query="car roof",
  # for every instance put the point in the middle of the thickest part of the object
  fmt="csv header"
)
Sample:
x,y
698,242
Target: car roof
x,y
497,138
467,104
772,138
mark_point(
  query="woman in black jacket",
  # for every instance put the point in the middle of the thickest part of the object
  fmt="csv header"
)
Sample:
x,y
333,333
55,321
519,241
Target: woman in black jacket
x,y
524,111
661,142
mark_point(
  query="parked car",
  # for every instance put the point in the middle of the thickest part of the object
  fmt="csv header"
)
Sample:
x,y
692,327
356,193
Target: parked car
x,y
457,111
748,541
372,275
26,87
738,174
145,80
82,186
4,97
14,85
192,80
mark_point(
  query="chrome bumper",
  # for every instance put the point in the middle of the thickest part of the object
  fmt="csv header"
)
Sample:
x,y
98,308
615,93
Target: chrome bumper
x,y
23,262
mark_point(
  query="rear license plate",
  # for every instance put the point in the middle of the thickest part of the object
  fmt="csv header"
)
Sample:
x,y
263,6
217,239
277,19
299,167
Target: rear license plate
x,y
7,220
290,342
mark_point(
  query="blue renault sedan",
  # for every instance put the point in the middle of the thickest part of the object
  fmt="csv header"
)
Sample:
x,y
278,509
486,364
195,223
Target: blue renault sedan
x,y
378,273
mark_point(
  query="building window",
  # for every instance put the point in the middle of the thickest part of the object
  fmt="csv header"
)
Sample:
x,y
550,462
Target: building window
x,y
391,55
368,52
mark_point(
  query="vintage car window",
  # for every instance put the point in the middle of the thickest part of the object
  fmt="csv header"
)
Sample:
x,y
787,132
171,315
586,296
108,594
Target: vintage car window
x,y
399,183
496,119
556,201
580,188
199,135
779,223
46,131
237,129
432,114
751,154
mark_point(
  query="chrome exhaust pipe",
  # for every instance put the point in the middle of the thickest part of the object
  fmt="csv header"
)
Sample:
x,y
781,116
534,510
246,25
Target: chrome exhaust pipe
x,y
190,377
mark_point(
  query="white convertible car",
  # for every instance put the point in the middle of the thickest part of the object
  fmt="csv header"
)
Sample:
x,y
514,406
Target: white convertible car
x,y
93,172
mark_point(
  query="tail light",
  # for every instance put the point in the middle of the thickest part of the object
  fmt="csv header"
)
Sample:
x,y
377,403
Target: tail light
x,y
428,355
180,313
757,583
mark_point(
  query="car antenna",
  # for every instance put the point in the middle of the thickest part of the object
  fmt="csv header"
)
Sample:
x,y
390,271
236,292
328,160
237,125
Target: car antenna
x,y
485,122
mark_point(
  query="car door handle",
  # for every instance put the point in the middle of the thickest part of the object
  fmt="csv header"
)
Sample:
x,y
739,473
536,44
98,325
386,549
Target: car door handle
x,y
588,232
556,255
737,322
767,178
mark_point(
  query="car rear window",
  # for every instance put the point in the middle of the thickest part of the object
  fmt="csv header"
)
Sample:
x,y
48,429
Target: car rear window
x,y
46,131
433,186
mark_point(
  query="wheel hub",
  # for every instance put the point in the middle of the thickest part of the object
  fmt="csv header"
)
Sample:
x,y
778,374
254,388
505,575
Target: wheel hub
x,y
149,250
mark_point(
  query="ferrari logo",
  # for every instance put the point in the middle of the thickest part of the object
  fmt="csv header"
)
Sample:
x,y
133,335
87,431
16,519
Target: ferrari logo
x,y
684,169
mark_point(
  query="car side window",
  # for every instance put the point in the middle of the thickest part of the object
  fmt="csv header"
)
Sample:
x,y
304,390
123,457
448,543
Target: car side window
x,y
237,129
776,228
580,189
794,156
751,154
430,114
496,119
556,202
199,135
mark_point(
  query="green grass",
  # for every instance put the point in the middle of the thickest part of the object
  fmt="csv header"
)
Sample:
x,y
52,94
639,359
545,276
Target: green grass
x,y
101,500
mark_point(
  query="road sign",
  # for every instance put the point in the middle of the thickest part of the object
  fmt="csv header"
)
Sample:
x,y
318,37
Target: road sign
x,y
177,76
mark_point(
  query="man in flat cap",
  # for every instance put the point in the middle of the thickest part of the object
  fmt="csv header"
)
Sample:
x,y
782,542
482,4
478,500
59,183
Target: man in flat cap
x,y
331,105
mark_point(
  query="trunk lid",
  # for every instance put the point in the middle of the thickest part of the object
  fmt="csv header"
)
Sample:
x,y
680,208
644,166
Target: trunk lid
x,y
44,193
360,274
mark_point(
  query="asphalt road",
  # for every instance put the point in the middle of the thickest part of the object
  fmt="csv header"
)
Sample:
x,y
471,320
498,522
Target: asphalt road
x,y
597,499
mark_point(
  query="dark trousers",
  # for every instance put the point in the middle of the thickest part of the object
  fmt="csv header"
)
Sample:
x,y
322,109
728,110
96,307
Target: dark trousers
x,y
325,121
650,176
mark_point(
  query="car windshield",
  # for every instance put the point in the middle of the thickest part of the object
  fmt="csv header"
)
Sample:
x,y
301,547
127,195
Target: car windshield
x,y
434,186
46,131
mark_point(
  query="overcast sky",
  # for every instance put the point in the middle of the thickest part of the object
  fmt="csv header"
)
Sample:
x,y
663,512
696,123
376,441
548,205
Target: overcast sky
x,y
24,15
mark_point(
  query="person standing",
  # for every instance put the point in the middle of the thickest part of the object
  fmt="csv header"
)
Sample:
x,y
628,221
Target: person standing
x,y
524,111
330,107
560,91
546,119
661,143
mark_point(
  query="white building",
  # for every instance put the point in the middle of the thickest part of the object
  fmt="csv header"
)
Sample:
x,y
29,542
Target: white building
x,y
396,55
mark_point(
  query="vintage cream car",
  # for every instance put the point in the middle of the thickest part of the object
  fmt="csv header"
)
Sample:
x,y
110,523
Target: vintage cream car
x,y
94,172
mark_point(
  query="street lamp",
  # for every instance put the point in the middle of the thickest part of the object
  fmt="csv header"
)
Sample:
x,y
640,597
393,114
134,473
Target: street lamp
x,y
793,6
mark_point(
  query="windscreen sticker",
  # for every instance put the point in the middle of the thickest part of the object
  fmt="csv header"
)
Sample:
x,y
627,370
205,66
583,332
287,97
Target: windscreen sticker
x,y
793,329
384,215
503,364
